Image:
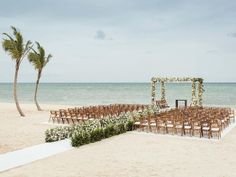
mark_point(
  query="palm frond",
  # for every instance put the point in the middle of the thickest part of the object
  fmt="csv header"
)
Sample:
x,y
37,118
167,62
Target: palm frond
x,y
33,58
19,44
47,60
7,45
28,46
31,48
37,58
14,46
10,47
14,30
8,36
38,45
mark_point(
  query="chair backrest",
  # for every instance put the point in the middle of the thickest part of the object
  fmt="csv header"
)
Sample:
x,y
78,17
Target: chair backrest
x,y
162,104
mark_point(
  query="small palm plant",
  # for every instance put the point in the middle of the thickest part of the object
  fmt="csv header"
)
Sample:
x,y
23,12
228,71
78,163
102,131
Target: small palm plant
x,y
16,48
39,61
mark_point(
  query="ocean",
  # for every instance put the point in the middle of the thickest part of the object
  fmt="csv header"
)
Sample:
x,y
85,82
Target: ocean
x,y
216,94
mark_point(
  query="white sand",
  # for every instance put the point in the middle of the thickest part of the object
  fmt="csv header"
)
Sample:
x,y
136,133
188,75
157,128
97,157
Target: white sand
x,y
132,154
18,132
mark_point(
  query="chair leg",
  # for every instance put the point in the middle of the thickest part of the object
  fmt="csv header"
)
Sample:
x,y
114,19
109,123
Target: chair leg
x,y
72,121
62,120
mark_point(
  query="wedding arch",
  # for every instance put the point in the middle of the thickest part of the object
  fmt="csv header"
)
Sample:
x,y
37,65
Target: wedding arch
x,y
197,85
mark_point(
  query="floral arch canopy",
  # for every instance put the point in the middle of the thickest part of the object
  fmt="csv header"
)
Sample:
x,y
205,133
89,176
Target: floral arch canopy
x,y
197,85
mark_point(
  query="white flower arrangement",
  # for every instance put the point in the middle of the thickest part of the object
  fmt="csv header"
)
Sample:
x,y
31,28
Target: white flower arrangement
x,y
162,80
60,133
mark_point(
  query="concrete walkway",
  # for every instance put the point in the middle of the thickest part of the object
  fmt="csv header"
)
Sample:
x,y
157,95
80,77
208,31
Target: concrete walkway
x,y
24,156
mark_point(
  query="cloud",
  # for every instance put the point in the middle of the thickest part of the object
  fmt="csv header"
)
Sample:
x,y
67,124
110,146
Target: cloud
x,y
232,34
100,35
212,51
148,52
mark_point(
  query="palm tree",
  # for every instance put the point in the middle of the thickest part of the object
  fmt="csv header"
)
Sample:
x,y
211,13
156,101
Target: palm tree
x,y
16,48
39,61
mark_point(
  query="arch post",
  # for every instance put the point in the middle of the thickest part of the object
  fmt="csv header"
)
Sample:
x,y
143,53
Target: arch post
x,y
194,100
153,91
163,91
200,91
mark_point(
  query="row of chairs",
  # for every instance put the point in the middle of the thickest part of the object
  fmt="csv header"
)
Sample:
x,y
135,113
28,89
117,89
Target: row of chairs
x,y
80,114
192,121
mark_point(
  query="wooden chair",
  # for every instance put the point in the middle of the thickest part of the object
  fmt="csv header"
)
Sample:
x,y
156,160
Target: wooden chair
x,y
161,126
162,104
58,117
137,123
206,129
52,116
232,116
170,127
215,129
179,127
144,125
55,116
64,116
196,129
153,125
187,128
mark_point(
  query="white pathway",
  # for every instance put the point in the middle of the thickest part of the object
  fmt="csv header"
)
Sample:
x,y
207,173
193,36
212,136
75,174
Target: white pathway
x,y
21,157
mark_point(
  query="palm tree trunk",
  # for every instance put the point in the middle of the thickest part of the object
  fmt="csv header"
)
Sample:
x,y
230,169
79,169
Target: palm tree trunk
x,y
36,91
15,90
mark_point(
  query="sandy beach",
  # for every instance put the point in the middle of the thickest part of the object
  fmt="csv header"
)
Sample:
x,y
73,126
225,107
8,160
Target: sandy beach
x,y
131,154
133,88
17,132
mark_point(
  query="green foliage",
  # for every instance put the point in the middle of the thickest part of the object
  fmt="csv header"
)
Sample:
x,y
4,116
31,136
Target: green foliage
x,y
106,132
120,128
129,125
84,137
96,135
15,46
111,130
78,139
38,58
91,131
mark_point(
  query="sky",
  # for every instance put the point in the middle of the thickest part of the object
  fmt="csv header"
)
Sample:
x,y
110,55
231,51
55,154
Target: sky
x,y
124,40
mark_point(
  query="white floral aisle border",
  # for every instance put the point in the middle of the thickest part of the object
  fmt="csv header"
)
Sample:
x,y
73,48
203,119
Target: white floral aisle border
x,y
196,83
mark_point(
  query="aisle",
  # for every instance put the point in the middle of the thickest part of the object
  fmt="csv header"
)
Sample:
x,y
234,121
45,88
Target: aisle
x,y
27,155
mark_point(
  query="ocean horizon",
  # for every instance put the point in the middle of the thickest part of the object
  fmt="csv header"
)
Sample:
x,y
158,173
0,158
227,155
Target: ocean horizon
x,y
124,82
84,94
